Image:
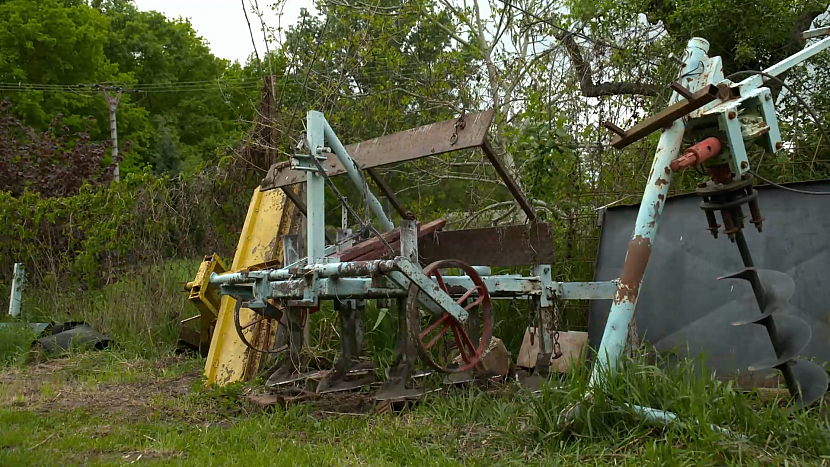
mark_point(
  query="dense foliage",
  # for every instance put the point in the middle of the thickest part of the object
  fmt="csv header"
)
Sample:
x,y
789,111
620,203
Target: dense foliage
x,y
183,106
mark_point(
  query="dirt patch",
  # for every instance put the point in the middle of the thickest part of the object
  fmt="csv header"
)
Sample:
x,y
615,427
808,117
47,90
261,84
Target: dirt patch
x,y
59,385
339,403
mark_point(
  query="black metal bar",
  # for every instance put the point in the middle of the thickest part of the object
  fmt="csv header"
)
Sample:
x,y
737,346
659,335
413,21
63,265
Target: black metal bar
x,y
295,199
390,195
508,181
666,116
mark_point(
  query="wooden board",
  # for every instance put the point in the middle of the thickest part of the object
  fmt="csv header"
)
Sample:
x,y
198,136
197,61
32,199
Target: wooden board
x,y
515,245
572,343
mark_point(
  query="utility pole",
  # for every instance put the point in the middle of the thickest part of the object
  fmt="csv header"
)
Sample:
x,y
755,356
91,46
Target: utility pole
x,y
112,103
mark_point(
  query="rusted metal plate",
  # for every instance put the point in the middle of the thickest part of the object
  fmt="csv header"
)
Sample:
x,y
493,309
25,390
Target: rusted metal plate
x,y
665,117
373,248
514,245
428,140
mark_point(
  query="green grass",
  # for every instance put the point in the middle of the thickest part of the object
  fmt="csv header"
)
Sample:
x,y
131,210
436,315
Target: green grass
x,y
140,309
160,410
138,403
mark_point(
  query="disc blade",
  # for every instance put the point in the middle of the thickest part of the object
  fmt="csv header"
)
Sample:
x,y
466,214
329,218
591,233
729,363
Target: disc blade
x,y
793,335
812,379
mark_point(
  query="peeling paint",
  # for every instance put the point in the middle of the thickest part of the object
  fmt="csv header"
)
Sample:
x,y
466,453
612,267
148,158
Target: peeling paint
x,y
639,251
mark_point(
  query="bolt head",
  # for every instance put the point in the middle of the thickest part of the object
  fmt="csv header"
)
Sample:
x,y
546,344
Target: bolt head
x,y
731,115
779,145
767,96
744,164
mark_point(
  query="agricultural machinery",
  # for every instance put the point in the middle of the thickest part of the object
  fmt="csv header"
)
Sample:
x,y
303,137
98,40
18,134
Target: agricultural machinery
x,y
440,283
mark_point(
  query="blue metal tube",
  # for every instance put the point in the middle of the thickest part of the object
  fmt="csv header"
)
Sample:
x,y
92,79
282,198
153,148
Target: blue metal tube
x,y
351,169
639,249
664,418
315,192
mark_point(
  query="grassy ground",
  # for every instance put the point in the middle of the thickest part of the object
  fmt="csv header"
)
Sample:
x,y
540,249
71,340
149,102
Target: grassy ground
x,y
113,408
140,404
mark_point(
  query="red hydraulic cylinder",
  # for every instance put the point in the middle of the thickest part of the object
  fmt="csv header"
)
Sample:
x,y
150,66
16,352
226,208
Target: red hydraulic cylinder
x,y
706,149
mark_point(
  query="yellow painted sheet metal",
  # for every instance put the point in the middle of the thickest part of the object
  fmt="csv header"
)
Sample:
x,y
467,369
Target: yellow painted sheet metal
x,y
269,217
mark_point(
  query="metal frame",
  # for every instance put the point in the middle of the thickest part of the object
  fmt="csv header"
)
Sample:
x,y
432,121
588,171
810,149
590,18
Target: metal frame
x,y
322,276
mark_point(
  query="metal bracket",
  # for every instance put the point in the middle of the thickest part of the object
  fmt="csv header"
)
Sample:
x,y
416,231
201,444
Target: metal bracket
x,y
585,290
305,163
429,288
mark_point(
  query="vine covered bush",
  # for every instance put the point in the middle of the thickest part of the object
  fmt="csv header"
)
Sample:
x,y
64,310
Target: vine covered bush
x,y
104,230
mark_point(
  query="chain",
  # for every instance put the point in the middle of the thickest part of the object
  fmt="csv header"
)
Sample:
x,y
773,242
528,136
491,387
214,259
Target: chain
x,y
531,324
557,348
458,125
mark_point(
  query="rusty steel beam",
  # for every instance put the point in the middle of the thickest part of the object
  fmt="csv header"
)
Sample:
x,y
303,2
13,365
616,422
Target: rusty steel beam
x,y
375,247
514,245
511,184
389,193
428,140
665,117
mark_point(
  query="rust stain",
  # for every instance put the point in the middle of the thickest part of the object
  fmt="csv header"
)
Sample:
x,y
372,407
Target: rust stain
x,y
667,170
661,182
639,251
661,197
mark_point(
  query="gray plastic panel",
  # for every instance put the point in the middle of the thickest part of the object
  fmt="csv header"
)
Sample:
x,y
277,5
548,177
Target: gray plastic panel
x,y
683,307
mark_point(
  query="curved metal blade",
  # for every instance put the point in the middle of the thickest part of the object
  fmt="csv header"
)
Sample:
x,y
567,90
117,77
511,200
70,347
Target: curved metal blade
x,y
782,308
778,286
745,274
812,379
778,289
793,335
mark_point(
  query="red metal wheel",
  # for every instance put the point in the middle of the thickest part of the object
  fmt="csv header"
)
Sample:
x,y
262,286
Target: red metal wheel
x,y
475,300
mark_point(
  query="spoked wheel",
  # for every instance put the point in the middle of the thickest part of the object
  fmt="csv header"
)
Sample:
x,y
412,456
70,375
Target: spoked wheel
x,y
265,331
439,337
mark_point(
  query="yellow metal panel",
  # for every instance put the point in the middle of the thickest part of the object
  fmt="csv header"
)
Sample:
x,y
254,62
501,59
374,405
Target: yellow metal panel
x,y
269,217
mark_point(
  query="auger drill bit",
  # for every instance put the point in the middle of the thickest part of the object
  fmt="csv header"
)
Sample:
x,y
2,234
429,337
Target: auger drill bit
x,y
805,380
789,335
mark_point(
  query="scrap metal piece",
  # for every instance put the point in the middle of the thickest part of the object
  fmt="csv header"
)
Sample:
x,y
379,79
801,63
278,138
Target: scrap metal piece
x,y
398,147
74,336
